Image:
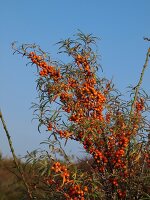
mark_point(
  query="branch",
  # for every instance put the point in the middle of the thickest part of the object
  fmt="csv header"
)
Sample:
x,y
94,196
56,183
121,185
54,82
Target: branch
x,y
140,81
19,168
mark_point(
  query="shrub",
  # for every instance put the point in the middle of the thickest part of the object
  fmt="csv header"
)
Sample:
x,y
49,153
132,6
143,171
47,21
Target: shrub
x,y
76,104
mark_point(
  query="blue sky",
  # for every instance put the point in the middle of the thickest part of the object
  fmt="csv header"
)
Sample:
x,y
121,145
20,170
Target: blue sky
x,y
121,25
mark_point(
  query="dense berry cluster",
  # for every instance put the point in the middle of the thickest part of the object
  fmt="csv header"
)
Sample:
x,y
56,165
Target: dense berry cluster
x,y
45,68
74,191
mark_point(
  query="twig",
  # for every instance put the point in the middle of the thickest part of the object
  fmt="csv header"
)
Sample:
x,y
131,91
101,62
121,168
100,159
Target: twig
x,y
147,39
19,168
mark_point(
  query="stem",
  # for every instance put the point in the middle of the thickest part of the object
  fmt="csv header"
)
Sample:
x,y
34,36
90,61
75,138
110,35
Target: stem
x,y
140,80
19,168
133,104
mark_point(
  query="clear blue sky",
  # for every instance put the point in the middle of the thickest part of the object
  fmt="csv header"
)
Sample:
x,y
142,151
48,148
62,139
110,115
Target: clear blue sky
x,y
121,25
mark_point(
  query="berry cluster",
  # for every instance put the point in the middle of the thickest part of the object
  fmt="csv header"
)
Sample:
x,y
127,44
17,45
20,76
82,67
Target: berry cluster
x,y
45,68
71,190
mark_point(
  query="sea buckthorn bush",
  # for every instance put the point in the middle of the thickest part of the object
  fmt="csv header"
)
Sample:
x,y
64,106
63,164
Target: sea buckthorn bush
x,y
76,104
